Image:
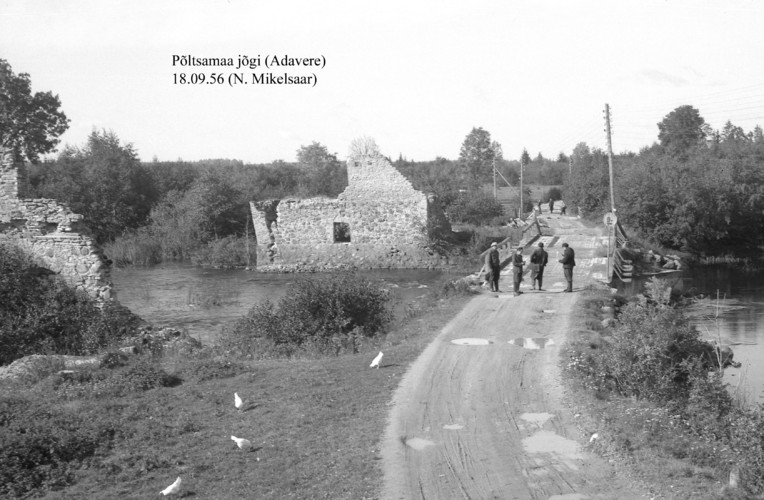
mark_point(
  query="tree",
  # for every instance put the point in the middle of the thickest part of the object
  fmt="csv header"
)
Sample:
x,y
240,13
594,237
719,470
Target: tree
x,y
587,188
757,136
525,158
477,154
104,181
30,124
681,130
324,174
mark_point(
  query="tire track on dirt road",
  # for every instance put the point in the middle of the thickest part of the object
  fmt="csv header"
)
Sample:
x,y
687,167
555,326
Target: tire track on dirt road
x,y
487,420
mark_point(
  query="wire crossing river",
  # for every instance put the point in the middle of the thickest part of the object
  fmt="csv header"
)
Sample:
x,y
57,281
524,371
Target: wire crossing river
x,y
481,413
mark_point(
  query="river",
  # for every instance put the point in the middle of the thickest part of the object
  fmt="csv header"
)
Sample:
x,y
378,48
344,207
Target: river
x,y
737,318
203,301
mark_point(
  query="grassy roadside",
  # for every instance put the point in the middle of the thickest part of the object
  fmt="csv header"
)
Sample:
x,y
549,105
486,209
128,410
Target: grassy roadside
x,y
673,452
315,424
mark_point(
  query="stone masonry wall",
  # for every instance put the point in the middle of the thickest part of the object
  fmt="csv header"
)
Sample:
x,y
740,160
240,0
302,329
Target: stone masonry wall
x,y
51,233
387,220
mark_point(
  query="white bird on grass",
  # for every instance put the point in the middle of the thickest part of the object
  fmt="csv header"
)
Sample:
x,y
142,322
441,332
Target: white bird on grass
x,y
237,402
242,443
377,360
172,489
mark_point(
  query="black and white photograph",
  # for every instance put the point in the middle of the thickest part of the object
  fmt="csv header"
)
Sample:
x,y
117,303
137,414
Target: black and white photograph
x,y
382,250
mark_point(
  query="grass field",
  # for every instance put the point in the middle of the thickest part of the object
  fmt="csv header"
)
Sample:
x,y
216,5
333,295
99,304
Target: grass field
x,y
315,425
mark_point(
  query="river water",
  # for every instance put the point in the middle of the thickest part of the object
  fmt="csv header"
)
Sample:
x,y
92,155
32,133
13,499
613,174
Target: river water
x,y
203,301
737,318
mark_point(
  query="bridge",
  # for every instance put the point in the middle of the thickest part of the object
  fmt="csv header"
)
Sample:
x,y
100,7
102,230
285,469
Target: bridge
x,y
482,412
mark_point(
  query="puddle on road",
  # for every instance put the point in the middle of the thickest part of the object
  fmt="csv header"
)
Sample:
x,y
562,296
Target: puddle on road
x,y
419,444
532,343
453,427
550,442
536,418
471,341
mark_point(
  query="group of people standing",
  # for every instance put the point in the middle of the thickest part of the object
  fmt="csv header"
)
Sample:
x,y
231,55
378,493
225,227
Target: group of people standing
x,y
539,260
561,204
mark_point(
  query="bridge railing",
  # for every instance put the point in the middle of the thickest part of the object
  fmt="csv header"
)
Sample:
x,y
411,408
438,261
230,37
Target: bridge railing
x,y
507,245
622,268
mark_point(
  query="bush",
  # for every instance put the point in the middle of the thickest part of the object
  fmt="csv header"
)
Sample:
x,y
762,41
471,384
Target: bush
x,y
137,376
138,248
554,193
329,315
41,314
227,252
474,208
42,448
145,375
652,353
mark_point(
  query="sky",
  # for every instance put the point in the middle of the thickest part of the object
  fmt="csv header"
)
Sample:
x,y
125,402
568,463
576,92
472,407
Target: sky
x,y
414,75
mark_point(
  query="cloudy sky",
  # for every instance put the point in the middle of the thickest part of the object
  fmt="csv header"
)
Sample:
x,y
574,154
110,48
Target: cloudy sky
x,y
415,75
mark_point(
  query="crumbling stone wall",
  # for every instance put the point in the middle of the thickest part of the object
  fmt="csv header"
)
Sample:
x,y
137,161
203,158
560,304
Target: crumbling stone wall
x,y
51,233
388,223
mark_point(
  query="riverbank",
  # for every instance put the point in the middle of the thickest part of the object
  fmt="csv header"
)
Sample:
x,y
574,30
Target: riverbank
x,y
686,438
318,420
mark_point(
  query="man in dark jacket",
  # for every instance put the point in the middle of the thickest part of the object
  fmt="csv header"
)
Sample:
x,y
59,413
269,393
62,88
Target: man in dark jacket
x,y
517,269
539,259
568,261
493,266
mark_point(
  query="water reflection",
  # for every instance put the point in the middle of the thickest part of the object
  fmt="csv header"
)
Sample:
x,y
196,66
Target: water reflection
x,y
736,317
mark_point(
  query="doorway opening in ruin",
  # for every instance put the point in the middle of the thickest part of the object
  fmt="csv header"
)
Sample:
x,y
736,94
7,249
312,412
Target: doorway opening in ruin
x,y
341,232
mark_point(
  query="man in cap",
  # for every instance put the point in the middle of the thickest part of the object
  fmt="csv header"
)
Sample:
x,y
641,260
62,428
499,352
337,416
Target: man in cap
x,y
517,269
568,261
539,259
493,265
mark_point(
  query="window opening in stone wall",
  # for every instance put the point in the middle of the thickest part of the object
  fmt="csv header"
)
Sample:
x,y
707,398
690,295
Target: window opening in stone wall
x,y
341,232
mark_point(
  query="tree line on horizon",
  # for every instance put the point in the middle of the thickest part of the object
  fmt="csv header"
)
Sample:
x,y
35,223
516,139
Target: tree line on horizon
x,y
698,190
695,189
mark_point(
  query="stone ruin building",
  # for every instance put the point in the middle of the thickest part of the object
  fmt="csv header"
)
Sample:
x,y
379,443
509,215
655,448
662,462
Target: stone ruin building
x,y
50,233
378,221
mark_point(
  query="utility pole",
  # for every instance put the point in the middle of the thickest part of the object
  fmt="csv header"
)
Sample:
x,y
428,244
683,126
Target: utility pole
x,y
609,156
522,167
612,197
494,175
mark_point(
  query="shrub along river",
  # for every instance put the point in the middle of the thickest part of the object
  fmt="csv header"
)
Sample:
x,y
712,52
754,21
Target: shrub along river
x,y
737,318
203,301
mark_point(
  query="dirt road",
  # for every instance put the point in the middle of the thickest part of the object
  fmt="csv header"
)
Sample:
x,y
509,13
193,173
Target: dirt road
x,y
481,413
